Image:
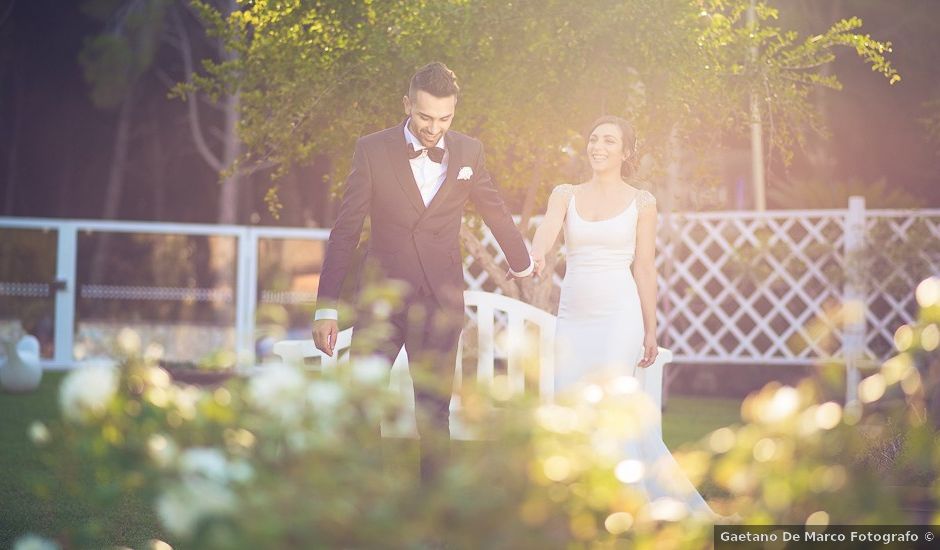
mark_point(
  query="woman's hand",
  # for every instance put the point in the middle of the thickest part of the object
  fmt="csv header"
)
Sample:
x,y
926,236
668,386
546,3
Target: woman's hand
x,y
539,263
650,351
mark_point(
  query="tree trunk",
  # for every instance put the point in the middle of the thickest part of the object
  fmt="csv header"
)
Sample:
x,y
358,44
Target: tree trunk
x,y
228,197
819,149
157,167
112,198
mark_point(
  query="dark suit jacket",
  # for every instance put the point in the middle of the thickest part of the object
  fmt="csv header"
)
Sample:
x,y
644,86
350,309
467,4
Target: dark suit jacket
x,y
410,242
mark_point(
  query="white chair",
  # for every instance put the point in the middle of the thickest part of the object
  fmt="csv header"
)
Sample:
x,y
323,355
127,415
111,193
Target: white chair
x,y
522,320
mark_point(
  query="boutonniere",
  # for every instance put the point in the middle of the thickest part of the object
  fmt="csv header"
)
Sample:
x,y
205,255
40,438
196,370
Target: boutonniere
x,y
465,174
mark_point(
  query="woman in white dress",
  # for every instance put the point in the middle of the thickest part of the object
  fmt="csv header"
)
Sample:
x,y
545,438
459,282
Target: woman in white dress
x,y
607,313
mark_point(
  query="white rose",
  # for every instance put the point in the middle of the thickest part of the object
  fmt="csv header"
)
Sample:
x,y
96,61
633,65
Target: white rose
x,y
371,371
30,541
278,390
162,450
38,433
128,341
186,399
324,395
87,390
205,462
182,506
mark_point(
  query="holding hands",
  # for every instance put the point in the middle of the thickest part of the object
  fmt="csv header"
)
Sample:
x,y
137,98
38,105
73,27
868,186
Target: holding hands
x,y
535,268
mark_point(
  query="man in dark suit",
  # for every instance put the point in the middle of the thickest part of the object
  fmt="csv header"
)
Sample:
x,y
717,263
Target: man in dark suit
x,y
413,180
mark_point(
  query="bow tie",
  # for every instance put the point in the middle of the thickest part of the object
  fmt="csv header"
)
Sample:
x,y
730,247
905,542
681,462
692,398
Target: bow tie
x,y
436,154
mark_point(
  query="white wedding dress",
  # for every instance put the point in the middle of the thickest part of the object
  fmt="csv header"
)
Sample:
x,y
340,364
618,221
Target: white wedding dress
x,y
600,333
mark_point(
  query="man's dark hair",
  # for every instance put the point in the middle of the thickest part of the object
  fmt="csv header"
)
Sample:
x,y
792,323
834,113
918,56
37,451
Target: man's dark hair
x,y
435,79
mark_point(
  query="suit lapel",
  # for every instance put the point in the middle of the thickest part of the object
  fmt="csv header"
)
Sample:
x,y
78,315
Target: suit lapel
x,y
453,165
398,156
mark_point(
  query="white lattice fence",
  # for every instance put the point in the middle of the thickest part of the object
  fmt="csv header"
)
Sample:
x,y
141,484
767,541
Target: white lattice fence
x,y
903,248
747,287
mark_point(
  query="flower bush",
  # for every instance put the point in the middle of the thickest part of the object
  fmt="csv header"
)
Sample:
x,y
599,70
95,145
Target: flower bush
x,y
289,458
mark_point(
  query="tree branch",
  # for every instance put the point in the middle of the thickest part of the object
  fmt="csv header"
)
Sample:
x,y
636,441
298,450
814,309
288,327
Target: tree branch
x,y
186,52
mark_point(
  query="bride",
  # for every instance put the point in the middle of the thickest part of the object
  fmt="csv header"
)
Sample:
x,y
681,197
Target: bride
x,y
607,313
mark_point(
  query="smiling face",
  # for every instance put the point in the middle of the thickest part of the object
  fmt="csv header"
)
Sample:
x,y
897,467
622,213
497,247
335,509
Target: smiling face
x,y
605,148
430,116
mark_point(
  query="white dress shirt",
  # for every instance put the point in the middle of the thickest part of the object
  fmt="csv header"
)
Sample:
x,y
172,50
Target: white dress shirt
x,y
428,174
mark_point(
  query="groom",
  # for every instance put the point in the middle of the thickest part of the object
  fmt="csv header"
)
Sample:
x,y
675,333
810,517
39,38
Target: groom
x,y
413,180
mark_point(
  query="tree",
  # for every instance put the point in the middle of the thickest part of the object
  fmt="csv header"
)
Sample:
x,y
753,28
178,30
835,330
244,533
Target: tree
x,y
316,74
219,147
113,62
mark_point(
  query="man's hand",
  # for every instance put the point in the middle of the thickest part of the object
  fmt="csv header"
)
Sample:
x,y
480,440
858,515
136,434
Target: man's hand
x,y
324,335
534,269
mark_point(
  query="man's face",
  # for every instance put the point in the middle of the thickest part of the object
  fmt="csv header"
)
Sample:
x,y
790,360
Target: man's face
x,y
430,116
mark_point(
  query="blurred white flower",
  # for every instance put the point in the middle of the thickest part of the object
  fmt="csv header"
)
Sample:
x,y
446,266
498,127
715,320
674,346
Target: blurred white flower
x,y
324,395
30,541
782,405
593,393
205,462
382,308
86,391
299,441
557,418
162,450
241,471
128,341
153,352
278,390
928,292
372,371
630,471
158,376
186,398
182,506
212,464
38,433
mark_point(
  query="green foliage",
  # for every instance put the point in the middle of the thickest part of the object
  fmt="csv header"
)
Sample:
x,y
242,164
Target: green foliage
x,y
287,458
316,74
114,59
781,67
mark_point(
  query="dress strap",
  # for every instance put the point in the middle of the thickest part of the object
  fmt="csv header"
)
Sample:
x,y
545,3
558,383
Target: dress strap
x,y
644,199
565,191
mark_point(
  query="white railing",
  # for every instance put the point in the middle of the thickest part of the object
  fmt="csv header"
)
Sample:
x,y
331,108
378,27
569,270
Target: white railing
x,y
735,287
768,288
529,358
64,289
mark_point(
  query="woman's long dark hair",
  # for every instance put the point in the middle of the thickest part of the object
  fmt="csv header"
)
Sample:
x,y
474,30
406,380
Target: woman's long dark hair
x,y
629,166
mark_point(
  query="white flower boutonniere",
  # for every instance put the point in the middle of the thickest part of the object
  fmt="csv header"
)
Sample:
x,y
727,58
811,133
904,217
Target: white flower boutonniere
x,y
465,174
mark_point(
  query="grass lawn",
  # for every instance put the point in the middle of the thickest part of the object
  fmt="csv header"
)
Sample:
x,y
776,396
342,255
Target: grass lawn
x,y
685,420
